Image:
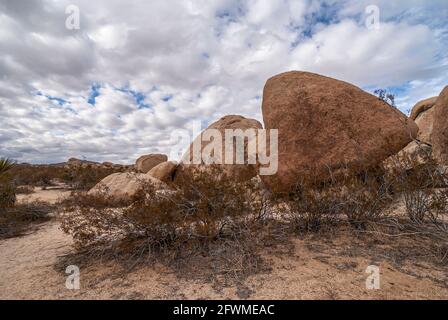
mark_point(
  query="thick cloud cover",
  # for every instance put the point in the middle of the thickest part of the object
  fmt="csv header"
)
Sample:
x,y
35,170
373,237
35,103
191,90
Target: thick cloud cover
x,y
137,70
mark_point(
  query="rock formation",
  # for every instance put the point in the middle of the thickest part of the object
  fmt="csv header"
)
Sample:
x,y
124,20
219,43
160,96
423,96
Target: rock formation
x,y
326,125
164,171
439,135
244,171
147,162
124,185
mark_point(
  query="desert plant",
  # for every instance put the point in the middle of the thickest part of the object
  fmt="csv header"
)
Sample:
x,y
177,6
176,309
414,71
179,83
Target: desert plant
x,y
360,197
383,95
206,218
17,220
202,207
417,181
7,188
79,178
5,165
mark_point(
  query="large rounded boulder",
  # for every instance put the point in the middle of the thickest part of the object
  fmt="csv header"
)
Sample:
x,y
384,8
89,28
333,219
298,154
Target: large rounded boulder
x,y
193,160
423,115
422,106
147,162
327,126
440,128
125,185
164,171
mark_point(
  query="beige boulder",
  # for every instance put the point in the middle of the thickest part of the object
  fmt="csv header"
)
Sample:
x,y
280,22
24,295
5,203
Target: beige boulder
x,y
422,106
326,126
147,162
440,128
164,171
425,122
125,185
423,115
243,171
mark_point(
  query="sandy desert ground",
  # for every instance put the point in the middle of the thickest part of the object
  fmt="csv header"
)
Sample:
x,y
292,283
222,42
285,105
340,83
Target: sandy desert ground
x,y
310,268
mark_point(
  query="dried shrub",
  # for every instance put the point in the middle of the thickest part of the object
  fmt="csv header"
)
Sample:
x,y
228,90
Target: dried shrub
x,y
85,178
315,202
24,190
438,213
7,188
77,177
92,218
7,195
19,219
419,182
203,206
206,215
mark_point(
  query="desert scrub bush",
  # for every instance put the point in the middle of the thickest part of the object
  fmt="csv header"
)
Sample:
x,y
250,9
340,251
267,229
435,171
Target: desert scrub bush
x,y
79,178
24,190
202,207
361,198
40,176
19,219
421,185
7,188
7,195
205,216
86,177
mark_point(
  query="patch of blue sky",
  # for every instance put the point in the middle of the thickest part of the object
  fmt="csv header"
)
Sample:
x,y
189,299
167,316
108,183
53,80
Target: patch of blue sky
x,y
59,101
396,90
433,16
400,93
231,14
94,92
139,97
327,14
227,16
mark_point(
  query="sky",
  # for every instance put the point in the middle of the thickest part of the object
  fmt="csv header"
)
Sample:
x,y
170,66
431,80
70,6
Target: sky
x,y
135,71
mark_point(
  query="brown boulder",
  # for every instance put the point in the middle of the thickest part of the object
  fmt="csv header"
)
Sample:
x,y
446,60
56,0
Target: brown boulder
x,y
425,122
422,106
326,125
164,171
147,162
124,185
440,128
244,171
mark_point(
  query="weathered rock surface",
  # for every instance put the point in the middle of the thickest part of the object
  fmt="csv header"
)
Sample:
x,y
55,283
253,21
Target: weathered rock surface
x,y
422,106
124,185
439,135
164,171
425,123
147,162
244,171
326,125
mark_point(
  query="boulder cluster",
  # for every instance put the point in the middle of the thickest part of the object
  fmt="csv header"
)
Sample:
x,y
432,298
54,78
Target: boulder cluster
x,y
325,127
